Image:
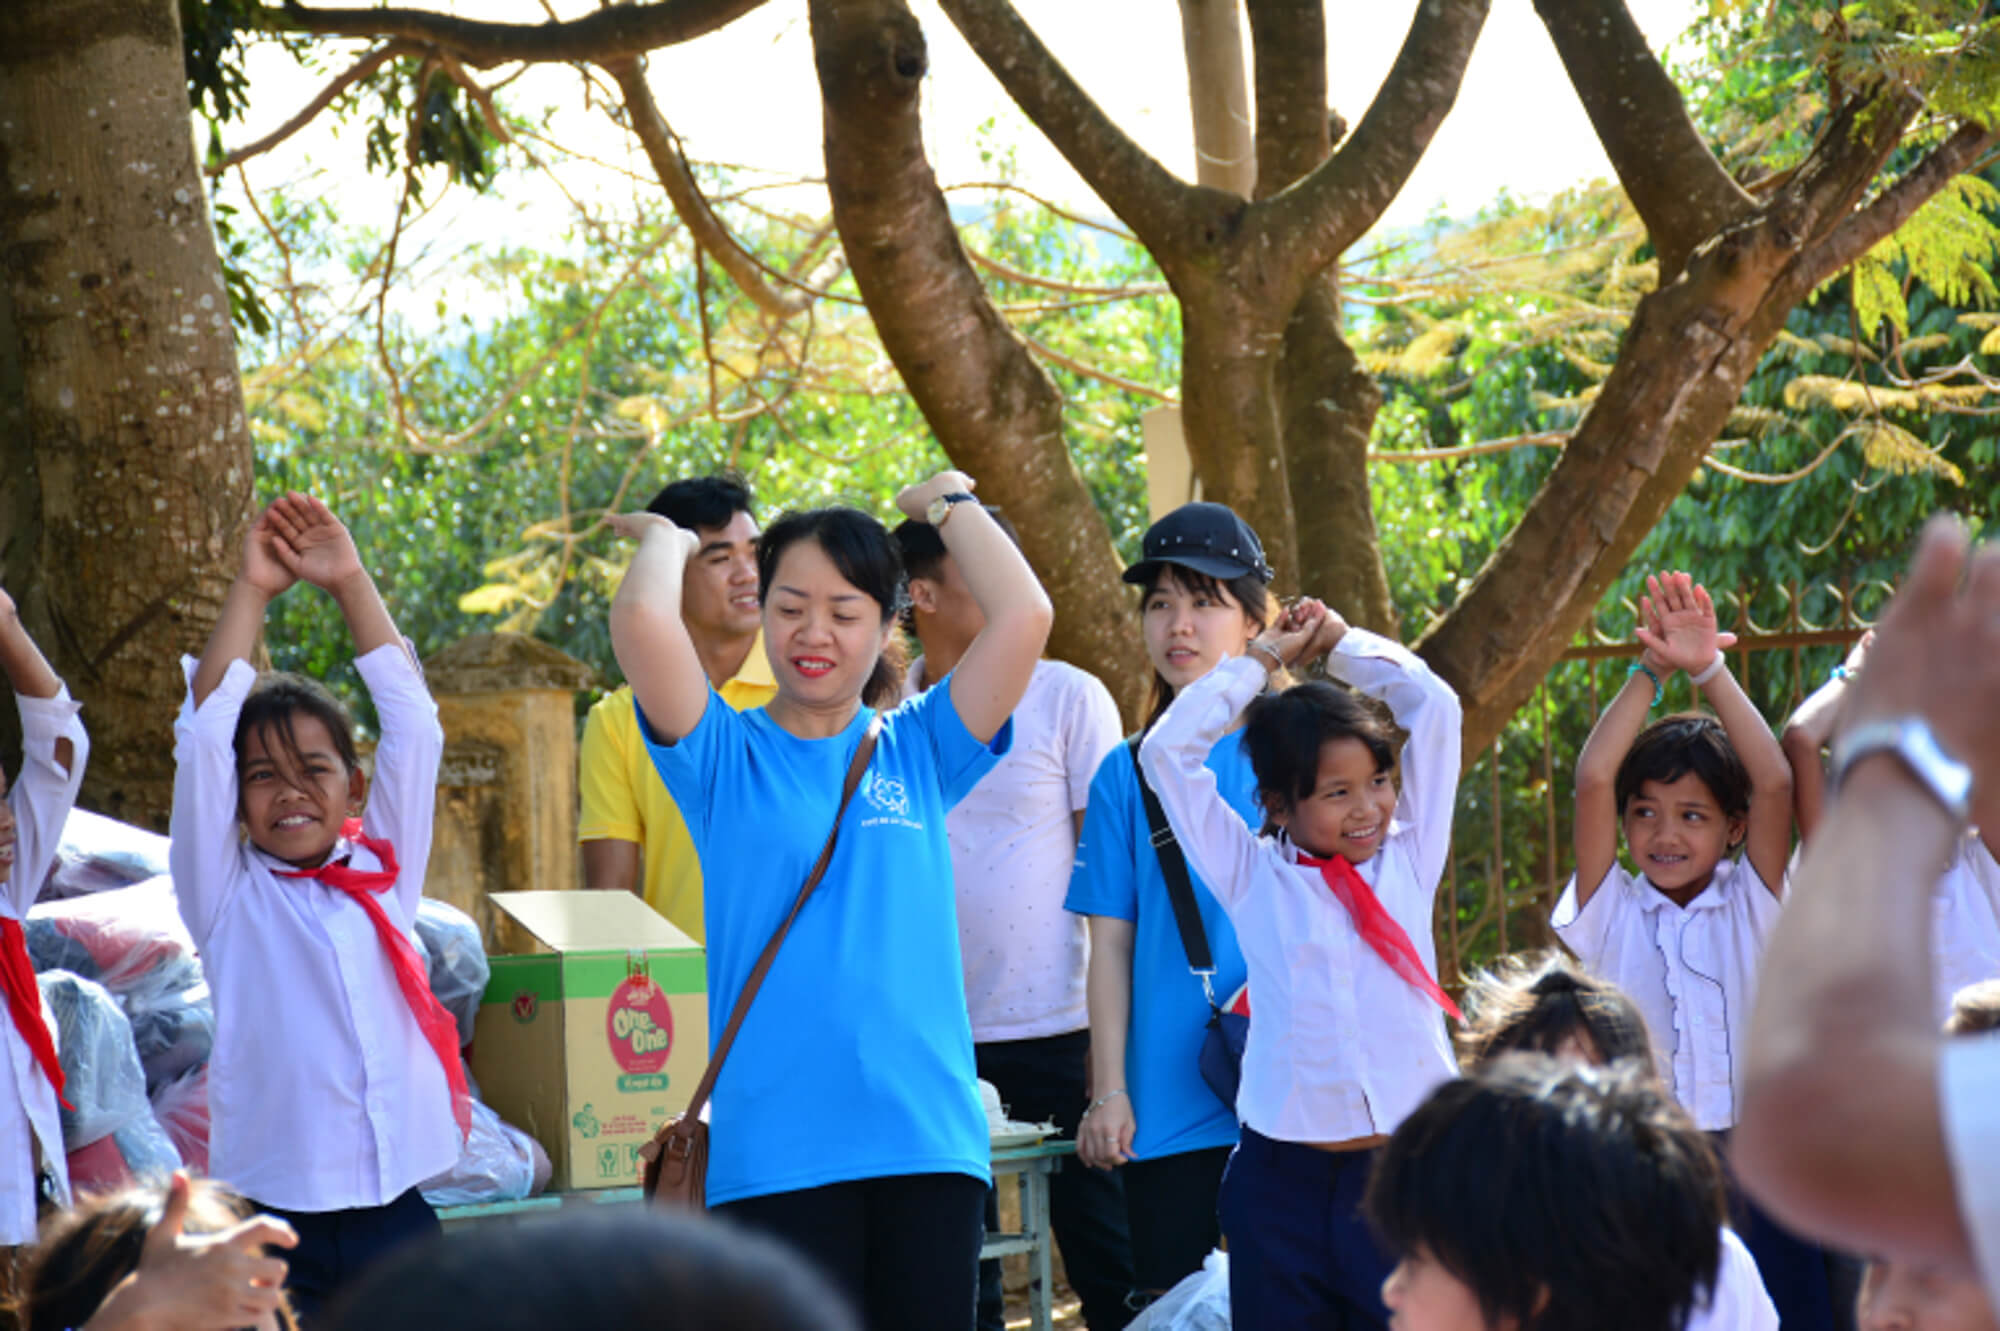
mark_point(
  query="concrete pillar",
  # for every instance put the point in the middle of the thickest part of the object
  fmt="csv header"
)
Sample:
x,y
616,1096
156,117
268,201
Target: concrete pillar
x,y
506,797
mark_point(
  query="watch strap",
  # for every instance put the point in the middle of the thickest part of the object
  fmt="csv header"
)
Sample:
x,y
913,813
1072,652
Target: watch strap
x,y
1909,739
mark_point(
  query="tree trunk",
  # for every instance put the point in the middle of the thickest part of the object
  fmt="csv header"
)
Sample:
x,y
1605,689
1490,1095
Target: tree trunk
x,y
1329,400
1229,404
133,462
1326,400
995,411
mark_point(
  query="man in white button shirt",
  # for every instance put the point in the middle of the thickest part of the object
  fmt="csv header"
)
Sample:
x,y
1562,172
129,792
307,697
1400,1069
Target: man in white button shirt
x,y
1013,841
1859,1123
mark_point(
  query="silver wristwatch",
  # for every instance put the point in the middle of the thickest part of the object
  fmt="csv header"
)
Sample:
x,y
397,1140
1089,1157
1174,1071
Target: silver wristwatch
x,y
1948,780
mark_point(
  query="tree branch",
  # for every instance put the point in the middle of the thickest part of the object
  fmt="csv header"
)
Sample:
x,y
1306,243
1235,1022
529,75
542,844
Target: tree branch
x,y
663,150
1134,186
1288,47
607,34
1852,147
354,73
1345,195
1219,95
1862,230
993,408
1682,192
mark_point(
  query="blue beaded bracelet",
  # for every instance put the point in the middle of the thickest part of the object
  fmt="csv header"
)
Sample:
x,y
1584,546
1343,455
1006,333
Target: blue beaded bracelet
x,y
1641,668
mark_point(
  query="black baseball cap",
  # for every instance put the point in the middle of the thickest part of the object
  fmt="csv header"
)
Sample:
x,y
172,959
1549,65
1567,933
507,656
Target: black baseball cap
x,y
1208,538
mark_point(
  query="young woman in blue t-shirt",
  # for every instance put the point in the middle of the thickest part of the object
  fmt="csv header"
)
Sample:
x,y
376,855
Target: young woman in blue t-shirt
x,y
1206,597
847,1119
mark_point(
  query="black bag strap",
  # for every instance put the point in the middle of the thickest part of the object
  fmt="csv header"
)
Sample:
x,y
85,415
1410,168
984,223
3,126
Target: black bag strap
x,y
1180,887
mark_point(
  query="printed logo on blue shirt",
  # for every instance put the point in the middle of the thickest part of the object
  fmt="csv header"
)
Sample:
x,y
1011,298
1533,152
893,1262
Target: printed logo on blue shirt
x,y
891,801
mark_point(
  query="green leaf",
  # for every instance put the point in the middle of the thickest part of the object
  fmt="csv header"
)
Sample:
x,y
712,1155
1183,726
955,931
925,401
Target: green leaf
x,y
1877,295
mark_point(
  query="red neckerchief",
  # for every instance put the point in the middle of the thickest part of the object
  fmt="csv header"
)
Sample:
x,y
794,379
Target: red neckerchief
x,y
1378,928
24,1002
412,977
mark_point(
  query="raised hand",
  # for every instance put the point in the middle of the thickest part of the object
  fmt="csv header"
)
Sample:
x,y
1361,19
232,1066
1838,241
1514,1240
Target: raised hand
x,y
915,500
312,544
1289,641
634,526
1332,628
264,566
1859,654
1677,623
1937,654
207,1282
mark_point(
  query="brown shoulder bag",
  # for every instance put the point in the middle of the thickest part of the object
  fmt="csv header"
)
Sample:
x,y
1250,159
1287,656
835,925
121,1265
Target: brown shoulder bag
x,y
676,1168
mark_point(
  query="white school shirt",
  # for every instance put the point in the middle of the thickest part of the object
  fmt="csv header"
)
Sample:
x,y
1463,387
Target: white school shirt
x,y
1340,1045
323,1093
1013,841
1965,921
1692,972
40,799
1969,1105
1739,1301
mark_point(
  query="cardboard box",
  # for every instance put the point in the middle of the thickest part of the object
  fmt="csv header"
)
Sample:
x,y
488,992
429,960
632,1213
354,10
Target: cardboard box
x,y
593,1030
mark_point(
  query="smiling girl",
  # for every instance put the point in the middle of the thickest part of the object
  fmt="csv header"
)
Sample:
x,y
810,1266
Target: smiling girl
x,y
1205,597
1332,906
1705,806
336,1086
846,1120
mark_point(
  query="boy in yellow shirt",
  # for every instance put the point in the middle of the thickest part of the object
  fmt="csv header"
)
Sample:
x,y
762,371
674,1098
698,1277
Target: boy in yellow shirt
x,y
633,837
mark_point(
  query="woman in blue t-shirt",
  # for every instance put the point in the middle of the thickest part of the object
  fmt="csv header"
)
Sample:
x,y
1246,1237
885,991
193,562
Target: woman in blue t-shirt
x,y
1206,597
847,1119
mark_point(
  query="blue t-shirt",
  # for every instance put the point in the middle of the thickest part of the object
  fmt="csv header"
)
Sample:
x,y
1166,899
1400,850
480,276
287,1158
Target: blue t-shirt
x,y
855,1060
1118,874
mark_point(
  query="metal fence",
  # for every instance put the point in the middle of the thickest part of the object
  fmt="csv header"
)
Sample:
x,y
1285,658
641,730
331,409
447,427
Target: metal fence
x,y
1511,838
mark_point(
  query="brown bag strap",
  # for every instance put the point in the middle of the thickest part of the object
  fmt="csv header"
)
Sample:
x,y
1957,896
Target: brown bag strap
x,y
855,769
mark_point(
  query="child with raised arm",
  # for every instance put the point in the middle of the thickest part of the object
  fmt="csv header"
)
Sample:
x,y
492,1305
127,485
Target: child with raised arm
x,y
1683,936
1332,907
1965,904
336,1085
53,750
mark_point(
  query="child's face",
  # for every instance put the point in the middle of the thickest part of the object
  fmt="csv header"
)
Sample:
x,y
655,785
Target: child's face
x,y
297,825
1348,811
1423,1296
1915,1296
1678,834
1187,630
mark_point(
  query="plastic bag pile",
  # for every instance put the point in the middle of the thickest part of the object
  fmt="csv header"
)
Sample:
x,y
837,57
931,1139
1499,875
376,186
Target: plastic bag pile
x,y
135,1025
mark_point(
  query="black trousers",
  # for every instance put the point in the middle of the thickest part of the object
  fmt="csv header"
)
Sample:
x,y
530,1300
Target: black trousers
x,y
335,1247
904,1248
1171,1203
1041,1081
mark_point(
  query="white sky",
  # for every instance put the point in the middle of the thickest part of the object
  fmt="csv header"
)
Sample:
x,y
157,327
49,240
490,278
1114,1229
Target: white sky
x,y
748,95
